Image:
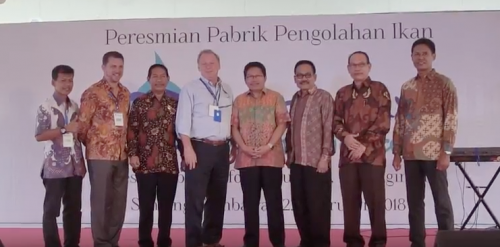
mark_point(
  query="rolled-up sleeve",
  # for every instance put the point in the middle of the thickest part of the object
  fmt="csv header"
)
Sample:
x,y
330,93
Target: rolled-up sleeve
x,y
183,121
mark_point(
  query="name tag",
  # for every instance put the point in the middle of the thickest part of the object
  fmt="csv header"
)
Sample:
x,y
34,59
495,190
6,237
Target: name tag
x,y
68,141
212,109
218,116
118,116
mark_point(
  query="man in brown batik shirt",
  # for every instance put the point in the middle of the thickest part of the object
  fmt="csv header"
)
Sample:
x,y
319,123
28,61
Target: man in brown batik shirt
x,y
153,156
309,148
361,123
424,135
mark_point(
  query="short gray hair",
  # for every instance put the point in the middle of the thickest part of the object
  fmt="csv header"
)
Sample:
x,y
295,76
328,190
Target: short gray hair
x,y
208,51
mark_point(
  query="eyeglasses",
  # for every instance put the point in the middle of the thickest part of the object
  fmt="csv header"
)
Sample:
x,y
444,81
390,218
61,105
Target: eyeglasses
x,y
357,65
302,76
254,76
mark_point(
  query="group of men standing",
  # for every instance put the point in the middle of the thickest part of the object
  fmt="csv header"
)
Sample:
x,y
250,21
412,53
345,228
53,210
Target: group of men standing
x,y
212,129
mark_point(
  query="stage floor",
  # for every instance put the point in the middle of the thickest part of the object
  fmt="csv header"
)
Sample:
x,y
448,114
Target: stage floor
x,y
30,237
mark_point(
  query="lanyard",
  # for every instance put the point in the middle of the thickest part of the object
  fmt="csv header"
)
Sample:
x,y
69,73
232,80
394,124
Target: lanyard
x,y
115,99
66,119
215,95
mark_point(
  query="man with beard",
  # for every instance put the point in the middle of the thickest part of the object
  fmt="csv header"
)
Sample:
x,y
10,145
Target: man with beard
x,y
153,156
309,148
204,125
103,130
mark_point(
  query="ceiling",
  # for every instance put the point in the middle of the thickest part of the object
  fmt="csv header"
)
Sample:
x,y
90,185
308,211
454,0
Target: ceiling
x,y
15,11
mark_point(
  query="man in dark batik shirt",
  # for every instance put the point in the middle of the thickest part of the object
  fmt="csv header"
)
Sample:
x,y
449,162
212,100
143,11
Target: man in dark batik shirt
x,y
361,123
153,156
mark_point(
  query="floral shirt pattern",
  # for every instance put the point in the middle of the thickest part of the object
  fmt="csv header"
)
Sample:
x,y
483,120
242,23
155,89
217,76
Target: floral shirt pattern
x,y
367,112
427,118
257,119
102,139
310,132
151,134
59,161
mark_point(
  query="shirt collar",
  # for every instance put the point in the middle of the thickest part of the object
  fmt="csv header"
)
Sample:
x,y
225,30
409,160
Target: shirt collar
x,y
264,91
205,80
429,76
309,92
364,84
151,95
104,82
60,100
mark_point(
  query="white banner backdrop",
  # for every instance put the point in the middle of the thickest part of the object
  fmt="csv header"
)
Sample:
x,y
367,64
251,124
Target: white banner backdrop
x,y
467,51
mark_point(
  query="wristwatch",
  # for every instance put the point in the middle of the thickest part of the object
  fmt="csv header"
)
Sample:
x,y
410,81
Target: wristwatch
x,y
270,145
447,152
63,131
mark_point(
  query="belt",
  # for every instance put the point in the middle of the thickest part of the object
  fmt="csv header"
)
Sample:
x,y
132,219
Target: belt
x,y
212,142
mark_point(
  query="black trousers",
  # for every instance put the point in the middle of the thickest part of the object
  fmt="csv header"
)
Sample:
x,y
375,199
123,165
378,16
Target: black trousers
x,y
311,202
152,187
269,180
207,181
69,190
357,178
416,171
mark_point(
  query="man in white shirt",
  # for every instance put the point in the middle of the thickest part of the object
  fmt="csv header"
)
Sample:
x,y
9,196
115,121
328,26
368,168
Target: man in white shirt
x,y
63,167
204,124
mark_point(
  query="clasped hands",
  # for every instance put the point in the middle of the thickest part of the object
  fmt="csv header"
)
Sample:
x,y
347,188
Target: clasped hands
x,y
256,152
355,147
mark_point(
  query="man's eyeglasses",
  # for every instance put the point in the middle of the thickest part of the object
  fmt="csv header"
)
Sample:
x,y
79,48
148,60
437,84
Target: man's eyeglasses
x,y
254,76
302,76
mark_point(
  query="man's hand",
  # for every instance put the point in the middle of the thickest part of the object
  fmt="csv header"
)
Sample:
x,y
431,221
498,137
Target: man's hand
x,y
323,165
232,155
351,142
356,153
396,162
261,151
248,150
134,161
72,127
190,158
443,162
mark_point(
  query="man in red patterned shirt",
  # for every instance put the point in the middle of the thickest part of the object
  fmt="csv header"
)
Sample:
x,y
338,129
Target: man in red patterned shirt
x,y
259,120
361,123
153,156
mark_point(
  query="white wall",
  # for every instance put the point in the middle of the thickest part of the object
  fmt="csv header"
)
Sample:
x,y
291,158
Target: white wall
x,y
13,11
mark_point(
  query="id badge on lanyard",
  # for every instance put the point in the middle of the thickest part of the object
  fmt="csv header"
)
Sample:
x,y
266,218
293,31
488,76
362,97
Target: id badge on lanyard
x,y
68,141
117,115
213,109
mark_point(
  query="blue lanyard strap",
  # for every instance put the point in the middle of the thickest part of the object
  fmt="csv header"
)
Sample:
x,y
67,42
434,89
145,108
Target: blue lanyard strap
x,y
115,99
215,95
66,119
